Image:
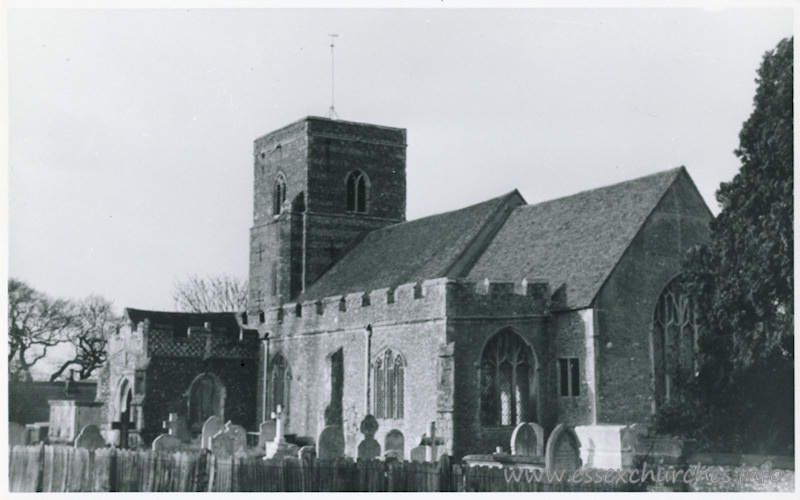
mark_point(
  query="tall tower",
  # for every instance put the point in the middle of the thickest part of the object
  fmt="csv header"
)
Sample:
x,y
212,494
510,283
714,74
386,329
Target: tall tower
x,y
319,185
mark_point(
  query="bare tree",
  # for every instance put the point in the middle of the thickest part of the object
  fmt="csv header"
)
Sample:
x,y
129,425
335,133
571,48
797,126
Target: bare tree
x,y
35,323
94,321
223,293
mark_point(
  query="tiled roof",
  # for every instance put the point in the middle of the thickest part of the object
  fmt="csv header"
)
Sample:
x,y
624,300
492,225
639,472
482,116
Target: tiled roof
x,y
576,240
438,246
181,321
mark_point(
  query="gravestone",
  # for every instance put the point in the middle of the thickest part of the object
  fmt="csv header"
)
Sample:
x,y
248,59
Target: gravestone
x,y
90,438
307,454
394,445
266,432
177,427
563,450
211,427
418,453
229,442
16,434
428,449
528,440
330,444
369,448
167,442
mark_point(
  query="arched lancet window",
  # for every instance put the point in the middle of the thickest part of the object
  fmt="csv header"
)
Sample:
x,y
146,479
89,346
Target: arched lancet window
x,y
280,378
206,398
389,385
278,194
676,329
507,378
357,192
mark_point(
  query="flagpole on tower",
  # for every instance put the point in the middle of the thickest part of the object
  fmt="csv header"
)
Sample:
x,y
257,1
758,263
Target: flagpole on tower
x,y
332,112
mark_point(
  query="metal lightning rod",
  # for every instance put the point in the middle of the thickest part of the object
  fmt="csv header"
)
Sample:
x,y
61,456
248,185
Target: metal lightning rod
x,y
332,112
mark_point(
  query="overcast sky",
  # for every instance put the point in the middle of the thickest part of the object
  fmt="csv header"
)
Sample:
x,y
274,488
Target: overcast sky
x,y
131,130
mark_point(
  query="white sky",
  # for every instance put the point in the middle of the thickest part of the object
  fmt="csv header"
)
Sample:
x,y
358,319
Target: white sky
x,y
130,131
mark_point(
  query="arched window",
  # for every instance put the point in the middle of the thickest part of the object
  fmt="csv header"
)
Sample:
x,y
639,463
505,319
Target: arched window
x,y
357,191
280,378
389,385
206,398
507,378
278,194
676,329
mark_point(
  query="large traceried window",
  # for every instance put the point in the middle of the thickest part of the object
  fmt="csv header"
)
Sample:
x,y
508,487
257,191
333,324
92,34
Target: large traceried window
x,y
357,191
278,194
280,378
676,329
389,385
507,380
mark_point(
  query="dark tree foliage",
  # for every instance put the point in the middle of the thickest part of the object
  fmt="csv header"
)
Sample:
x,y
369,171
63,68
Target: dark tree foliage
x,y
743,399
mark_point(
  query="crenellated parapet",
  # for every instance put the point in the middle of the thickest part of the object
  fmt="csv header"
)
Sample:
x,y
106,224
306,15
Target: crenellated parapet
x,y
429,299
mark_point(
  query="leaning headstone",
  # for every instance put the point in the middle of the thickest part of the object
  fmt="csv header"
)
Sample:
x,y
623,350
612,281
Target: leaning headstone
x,y
527,439
90,438
177,426
211,427
369,448
330,444
395,444
16,434
167,442
562,451
229,442
266,433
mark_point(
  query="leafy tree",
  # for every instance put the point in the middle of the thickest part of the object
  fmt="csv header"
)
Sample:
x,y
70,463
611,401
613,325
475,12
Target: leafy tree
x,y
36,323
93,322
212,294
743,281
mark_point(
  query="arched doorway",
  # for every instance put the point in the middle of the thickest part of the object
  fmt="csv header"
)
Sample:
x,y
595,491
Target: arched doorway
x,y
206,397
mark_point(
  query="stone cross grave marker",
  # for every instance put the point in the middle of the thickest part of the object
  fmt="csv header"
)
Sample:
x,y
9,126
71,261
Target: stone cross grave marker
x,y
229,442
90,438
278,447
266,432
369,448
123,425
428,449
527,439
176,426
211,427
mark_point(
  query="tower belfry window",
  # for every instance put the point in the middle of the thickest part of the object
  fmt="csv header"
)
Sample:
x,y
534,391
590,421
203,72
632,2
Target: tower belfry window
x,y
278,194
357,192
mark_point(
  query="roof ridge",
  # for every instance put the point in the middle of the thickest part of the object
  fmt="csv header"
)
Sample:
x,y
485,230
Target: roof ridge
x,y
608,186
431,216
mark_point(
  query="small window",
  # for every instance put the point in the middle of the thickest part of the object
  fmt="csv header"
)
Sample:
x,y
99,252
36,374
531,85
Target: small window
x,y
357,192
569,376
278,194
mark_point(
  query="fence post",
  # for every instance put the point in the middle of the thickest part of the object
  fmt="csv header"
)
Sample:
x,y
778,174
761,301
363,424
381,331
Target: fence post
x,y
40,469
445,473
212,464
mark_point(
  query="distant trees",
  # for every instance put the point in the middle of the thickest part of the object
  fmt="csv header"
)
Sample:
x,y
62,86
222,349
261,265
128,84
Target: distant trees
x,y
222,293
38,323
743,280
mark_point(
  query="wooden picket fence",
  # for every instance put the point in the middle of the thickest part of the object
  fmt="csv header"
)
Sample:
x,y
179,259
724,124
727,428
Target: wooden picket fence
x,y
67,469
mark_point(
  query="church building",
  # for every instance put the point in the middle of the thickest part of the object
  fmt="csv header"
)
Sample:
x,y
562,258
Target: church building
x,y
568,311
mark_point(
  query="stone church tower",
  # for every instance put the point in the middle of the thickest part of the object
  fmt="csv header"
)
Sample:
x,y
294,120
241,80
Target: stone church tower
x,y
319,185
